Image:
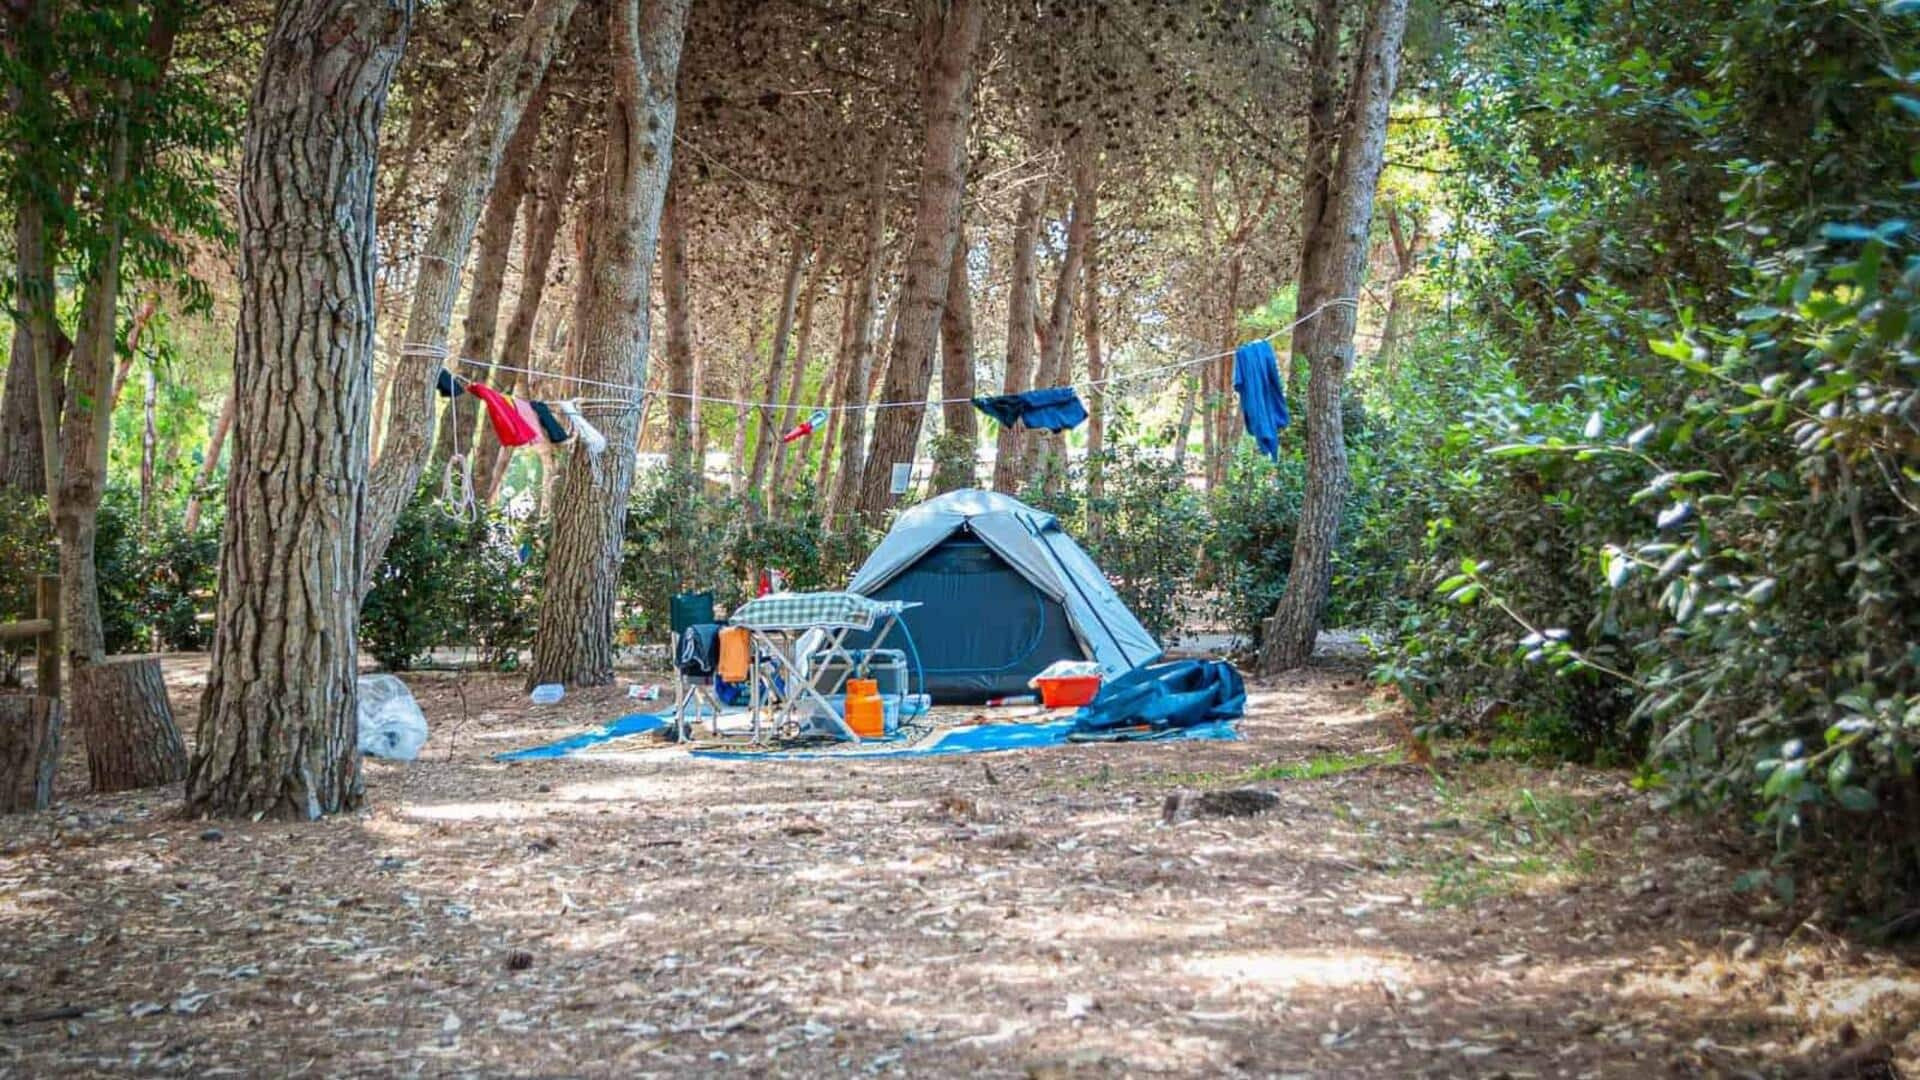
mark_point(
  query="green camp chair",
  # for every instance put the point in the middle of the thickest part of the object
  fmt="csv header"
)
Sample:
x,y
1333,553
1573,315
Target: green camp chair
x,y
684,610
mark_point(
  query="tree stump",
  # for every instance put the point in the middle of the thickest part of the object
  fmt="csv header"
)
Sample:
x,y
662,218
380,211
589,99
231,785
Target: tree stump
x,y
29,751
121,704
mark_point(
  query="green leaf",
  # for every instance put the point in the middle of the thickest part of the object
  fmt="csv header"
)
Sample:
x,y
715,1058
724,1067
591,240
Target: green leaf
x,y
1857,799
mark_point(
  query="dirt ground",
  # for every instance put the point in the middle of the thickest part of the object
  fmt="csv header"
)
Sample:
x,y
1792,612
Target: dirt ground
x,y
641,912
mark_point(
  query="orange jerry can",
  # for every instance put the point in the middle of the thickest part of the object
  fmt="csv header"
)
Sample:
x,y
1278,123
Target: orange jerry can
x,y
866,713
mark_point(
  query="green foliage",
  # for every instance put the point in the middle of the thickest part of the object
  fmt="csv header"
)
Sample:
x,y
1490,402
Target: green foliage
x,y
1681,517
447,583
682,538
1251,543
1145,529
156,579
26,552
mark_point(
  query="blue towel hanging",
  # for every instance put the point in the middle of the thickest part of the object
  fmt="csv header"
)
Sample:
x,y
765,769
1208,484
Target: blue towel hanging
x,y
1263,402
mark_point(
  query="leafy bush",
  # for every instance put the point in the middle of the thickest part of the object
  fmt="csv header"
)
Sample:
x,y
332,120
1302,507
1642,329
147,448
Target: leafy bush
x,y
1689,522
155,579
447,583
1251,542
682,538
26,552
1144,529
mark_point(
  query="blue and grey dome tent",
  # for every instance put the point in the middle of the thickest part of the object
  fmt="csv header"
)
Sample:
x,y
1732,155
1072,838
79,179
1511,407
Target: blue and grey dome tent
x,y
1004,592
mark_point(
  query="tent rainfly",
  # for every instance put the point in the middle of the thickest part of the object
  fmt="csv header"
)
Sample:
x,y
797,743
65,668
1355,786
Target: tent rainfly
x,y
1004,592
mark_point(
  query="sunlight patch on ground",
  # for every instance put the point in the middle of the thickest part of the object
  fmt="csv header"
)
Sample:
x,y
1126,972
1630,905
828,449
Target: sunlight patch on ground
x,y
1286,970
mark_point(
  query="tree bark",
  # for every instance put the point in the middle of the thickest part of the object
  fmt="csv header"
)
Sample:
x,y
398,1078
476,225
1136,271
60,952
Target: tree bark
x,y
1096,376
460,417
574,642
833,389
797,376
1326,339
743,413
86,420
23,462
1056,353
542,231
278,732
949,34
1406,255
680,365
29,751
1009,445
131,738
211,463
510,83
30,408
857,364
770,428
1322,136
957,416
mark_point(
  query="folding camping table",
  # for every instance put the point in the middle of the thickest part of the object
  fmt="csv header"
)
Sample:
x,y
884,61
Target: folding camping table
x,y
780,623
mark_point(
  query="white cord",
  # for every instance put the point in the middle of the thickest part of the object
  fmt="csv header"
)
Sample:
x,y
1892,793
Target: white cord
x,y
440,352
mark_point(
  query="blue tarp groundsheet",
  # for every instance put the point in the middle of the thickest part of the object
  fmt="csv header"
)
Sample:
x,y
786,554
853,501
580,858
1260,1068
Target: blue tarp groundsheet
x,y
636,724
1185,699
1163,698
984,739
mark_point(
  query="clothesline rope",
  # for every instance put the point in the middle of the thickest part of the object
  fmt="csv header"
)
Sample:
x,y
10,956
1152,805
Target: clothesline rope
x,y
440,352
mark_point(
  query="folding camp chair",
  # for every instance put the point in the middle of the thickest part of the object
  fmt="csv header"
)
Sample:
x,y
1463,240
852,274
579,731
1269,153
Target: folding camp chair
x,y
688,610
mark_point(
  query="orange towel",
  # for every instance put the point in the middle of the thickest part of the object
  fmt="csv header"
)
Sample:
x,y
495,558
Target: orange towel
x,y
734,649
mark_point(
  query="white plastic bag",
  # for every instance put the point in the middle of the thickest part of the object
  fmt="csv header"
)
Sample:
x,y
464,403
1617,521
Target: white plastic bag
x,y
1065,669
391,724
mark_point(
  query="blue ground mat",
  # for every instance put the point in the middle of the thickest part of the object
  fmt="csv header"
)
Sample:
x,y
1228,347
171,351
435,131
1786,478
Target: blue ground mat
x,y
984,739
980,739
635,724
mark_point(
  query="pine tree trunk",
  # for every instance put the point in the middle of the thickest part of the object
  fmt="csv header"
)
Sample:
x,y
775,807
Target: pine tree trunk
x,y
680,364
574,642
1096,376
404,451
857,363
23,463
1056,354
957,415
1221,410
29,751
31,401
949,33
216,440
770,428
797,376
833,390
542,231
278,733
743,414
131,738
1327,341
460,417
1009,445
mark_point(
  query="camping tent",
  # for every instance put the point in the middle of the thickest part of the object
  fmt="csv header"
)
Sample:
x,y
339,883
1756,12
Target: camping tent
x,y
1004,592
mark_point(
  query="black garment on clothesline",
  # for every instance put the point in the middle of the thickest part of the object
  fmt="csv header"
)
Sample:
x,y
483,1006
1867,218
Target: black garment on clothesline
x,y
1054,409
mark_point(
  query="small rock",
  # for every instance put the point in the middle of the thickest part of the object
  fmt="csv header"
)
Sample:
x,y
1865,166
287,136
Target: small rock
x,y
544,788
1235,802
213,834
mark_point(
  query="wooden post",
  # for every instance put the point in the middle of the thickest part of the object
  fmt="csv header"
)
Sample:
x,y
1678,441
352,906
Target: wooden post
x,y
47,648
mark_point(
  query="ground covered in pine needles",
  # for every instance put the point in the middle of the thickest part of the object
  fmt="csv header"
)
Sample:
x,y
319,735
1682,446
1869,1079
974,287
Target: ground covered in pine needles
x,y
638,911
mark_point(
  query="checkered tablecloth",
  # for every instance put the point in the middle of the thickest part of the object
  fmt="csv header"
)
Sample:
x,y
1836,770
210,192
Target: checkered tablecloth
x,y
804,611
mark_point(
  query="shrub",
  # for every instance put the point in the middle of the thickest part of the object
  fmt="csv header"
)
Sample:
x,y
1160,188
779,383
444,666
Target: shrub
x,y
447,583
